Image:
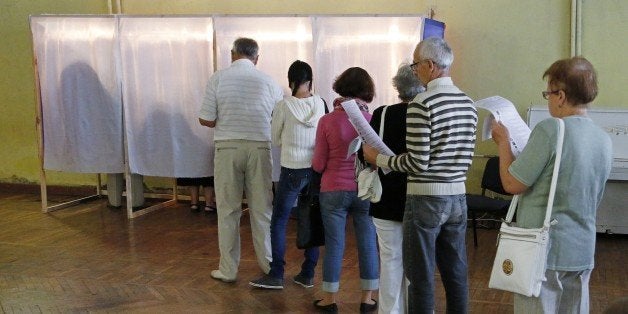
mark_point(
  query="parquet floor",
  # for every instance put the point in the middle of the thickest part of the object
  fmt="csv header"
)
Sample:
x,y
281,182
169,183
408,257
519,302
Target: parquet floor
x,y
89,258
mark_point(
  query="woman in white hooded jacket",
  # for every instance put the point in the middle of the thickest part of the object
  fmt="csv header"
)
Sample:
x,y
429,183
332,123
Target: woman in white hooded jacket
x,y
294,123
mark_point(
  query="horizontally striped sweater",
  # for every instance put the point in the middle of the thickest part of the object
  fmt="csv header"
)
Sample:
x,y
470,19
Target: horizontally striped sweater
x,y
440,137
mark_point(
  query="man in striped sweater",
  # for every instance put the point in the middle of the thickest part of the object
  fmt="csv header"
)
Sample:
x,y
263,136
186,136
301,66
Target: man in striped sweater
x,y
441,126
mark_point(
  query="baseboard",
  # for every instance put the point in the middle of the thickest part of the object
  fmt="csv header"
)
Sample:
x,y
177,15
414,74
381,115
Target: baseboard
x,y
51,189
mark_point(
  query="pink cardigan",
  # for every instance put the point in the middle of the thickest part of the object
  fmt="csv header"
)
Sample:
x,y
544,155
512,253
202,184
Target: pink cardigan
x,y
333,135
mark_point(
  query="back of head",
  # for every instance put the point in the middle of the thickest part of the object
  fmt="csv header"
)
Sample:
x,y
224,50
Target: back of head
x,y
437,50
299,73
245,47
406,83
574,76
355,82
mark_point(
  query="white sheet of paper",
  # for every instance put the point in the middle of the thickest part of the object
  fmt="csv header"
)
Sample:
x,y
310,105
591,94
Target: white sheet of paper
x,y
503,110
364,129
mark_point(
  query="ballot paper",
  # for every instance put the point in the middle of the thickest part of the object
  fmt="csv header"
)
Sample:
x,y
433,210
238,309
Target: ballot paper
x,y
365,132
502,110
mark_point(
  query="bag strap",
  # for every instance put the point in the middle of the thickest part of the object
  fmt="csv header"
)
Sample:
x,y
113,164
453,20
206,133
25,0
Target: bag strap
x,y
325,105
559,155
381,123
552,192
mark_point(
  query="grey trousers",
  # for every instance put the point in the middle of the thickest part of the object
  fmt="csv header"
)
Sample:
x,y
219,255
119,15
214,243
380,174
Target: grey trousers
x,y
564,292
243,166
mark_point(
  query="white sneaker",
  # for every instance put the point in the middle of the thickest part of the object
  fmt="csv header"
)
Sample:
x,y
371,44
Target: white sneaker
x,y
218,275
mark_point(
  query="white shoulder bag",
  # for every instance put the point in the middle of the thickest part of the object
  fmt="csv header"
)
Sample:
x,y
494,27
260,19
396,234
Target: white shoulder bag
x,y
369,185
521,257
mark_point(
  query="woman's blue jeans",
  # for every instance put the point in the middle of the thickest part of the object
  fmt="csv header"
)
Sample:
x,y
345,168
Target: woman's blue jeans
x,y
291,182
335,206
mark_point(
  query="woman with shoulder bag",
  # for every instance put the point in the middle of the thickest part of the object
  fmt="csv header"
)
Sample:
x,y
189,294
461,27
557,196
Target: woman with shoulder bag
x,y
339,195
584,168
388,212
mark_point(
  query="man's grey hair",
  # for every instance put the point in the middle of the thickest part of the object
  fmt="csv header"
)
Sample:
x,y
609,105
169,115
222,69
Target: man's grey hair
x,y
406,83
437,50
246,47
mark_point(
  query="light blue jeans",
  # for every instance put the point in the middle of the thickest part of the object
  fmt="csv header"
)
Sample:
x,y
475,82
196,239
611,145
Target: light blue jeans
x,y
434,229
335,206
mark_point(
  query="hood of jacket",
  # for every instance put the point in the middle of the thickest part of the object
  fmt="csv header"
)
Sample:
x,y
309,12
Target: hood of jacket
x,y
306,110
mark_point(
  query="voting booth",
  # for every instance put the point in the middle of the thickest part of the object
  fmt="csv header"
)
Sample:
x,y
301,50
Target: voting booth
x,y
121,94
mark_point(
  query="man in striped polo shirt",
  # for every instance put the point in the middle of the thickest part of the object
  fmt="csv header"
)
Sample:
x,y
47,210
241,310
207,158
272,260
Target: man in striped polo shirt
x,y
440,137
238,103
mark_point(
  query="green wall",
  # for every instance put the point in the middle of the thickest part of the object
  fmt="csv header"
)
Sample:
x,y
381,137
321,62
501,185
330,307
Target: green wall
x,y
500,47
605,43
19,161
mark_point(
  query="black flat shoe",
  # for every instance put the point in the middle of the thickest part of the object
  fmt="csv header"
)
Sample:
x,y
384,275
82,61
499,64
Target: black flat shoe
x,y
368,308
329,308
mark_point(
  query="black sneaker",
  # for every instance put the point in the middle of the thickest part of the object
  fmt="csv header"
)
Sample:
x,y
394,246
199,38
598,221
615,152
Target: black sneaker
x,y
267,282
302,281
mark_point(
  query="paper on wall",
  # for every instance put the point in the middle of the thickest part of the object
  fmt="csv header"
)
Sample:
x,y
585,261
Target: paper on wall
x,y
502,110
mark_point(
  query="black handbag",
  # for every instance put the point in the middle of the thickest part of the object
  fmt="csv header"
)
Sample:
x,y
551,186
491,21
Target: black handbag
x,y
310,230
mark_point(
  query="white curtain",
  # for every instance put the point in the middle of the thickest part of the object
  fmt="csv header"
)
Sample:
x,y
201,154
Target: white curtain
x,y
281,40
163,65
80,93
376,44
166,62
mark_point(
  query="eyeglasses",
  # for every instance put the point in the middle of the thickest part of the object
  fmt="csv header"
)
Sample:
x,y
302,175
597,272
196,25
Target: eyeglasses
x,y
414,65
546,93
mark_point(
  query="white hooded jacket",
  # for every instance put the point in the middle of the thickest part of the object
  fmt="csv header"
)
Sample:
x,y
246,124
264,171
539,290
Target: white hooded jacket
x,y
294,125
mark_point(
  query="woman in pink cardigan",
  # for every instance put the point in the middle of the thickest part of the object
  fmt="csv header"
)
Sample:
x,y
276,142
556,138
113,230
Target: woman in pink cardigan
x,y
338,195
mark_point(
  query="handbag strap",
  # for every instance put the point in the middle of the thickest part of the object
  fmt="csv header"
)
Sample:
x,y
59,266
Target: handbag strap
x,y
559,155
381,123
552,192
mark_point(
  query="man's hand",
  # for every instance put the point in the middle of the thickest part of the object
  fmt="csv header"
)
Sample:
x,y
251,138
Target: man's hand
x,y
370,154
207,123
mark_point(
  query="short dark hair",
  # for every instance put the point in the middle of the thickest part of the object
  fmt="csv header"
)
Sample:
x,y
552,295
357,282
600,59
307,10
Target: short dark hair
x,y
299,73
355,82
576,77
246,47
